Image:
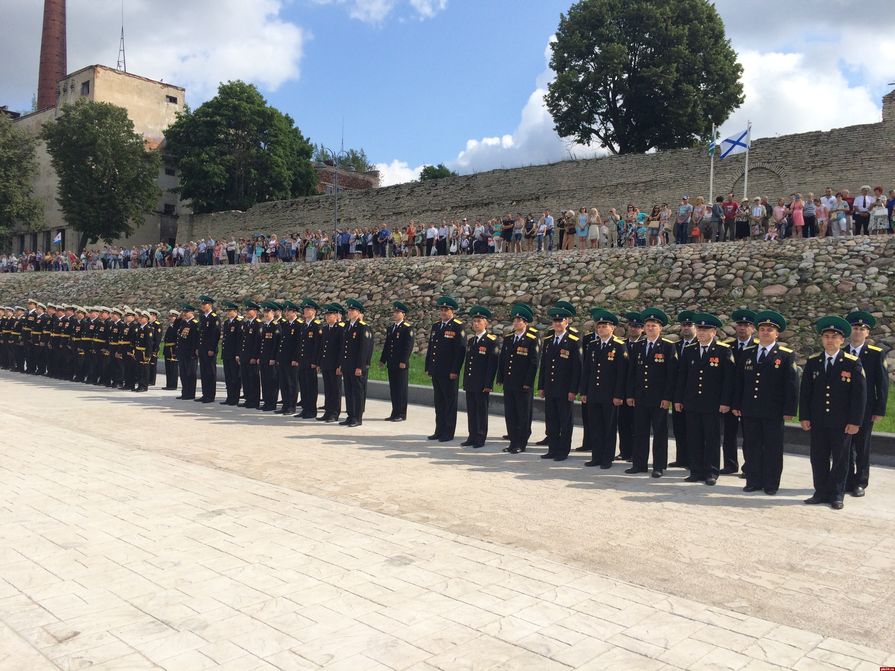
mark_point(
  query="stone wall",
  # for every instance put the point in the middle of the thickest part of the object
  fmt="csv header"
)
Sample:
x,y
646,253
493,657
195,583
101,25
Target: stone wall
x,y
807,162
803,280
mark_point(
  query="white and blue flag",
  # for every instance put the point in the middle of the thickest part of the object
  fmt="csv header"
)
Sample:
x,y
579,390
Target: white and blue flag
x,y
735,144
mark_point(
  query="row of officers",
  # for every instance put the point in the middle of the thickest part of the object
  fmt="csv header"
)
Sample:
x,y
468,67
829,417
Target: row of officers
x,y
714,390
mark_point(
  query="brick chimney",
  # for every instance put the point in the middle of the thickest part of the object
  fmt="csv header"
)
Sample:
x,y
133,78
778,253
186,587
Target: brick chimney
x,y
889,107
52,53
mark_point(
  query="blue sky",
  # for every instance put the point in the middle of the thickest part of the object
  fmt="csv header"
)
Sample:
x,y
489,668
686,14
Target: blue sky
x,y
453,81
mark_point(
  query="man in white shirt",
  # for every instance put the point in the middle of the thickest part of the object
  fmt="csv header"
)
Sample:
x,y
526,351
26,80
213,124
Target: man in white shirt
x,y
861,211
431,236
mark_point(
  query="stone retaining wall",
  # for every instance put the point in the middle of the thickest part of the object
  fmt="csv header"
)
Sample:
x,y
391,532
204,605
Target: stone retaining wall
x,y
801,279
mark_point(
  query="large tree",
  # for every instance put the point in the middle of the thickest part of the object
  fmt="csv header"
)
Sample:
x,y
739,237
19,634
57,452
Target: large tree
x,y
349,158
637,75
19,209
107,176
236,150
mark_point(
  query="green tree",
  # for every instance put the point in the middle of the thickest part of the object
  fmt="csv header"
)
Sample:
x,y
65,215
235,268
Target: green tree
x,y
351,158
637,75
18,167
236,150
436,172
107,177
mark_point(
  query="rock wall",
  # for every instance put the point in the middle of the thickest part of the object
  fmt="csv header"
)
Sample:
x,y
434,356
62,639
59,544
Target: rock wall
x,y
803,280
807,162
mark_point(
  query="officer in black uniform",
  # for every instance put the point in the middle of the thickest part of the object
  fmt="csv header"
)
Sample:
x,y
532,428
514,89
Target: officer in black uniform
x,y
231,337
250,356
92,343
40,338
395,357
766,394
27,328
444,359
585,446
52,339
156,327
603,386
70,357
687,336
145,340
309,358
744,321
288,358
704,392
270,343
79,338
650,388
634,335
115,332
18,338
517,369
332,342
209,338
188,352
479,371
833,396
357,352
565,305
103,352
170,349
558,381
873,361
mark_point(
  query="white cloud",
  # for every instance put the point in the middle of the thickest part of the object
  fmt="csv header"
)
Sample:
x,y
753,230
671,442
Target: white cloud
x,y
376,11
397,172
195,44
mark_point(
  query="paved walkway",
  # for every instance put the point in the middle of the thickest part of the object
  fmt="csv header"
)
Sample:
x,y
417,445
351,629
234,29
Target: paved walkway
x,y
141,532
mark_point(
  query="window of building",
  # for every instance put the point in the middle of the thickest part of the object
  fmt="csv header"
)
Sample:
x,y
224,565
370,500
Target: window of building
x,y
170,171
170,209
85,88
171,99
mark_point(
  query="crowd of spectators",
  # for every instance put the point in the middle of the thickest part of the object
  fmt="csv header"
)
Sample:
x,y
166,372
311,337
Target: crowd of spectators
x,y
687,222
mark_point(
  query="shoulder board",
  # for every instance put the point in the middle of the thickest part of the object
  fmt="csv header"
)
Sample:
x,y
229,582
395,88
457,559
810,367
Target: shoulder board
x,y
361,322
755,340
546,337
874,348
729,341
318,321
194,321
341,323
850,357
573,337
406,323
532,329
746,349
817,355
531,335
695,343
670,342
457,321
240,318
491,336
214,314
785,349
257,320
722,344
618,340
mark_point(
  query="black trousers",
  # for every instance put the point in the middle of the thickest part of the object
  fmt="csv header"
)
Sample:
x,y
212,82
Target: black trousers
x,y
251,384
859,456
830,447
626,431
558,415
232,380
86,364
208,371
446,391
704,442
170,373
187,377
143,375
90,374
288,385
355,395
20,358
41,355
681,449
646,418
130,372
585,424
332,394
861,221
153,370
116,370
731,430
477,416
106,368
307,382
517,411
29,357
602,420
397,387
763,452
270,385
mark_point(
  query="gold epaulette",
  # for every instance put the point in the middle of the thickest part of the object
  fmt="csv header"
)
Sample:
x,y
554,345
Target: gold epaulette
x,y
361,322
722,344
531,335
457,321
618,340
850,357
341,323
785,349
816,356
194,321
695,343
573,337
491,336
670,342
406,323
874,348
214,314
546,337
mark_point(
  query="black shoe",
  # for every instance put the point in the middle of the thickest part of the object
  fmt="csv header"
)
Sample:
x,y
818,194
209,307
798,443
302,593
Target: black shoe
x,y
582,449
445,439
605,467
559,458
506,436
512,450
727,471
434,436
618,457
543,442
323,418
222,402
179,398
751,488
345,422
389,419
547,456
633,470
770,492
467,443
858,491
658,472
314,416
399,419
199,400
332,419
250,406
677,464
711,481
353,423
478,445
814,500
743,476
836,505
692,478
208,400
268,409
591,464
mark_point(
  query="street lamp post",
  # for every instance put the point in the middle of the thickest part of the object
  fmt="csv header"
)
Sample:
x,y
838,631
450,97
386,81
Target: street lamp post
x,y
337,159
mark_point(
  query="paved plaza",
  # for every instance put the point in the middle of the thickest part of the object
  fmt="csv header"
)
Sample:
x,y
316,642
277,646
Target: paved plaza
x,y
141,532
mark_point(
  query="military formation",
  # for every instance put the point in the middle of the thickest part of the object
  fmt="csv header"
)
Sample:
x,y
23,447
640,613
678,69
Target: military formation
x,y
275,354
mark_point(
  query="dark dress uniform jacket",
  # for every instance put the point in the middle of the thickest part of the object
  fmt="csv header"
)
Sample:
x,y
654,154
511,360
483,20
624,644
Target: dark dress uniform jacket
x,y
872,360
604,371
287,350
250,343
209,333
770,389
705,383
651,378
187,339
357,351
309,344
231,334
270,341
560,366
398,345
332,341
447,349
518,362
835,398
481,363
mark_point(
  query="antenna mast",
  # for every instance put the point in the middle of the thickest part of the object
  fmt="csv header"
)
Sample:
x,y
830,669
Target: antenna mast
x,y
122,59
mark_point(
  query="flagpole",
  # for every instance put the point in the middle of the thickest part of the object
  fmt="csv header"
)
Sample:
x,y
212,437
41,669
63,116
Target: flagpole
x,y
712,167
746,177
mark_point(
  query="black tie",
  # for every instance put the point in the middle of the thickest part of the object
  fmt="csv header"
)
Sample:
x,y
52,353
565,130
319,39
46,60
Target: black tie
x,y
761,355
855,352
704,348
649,349
742,345
829,364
